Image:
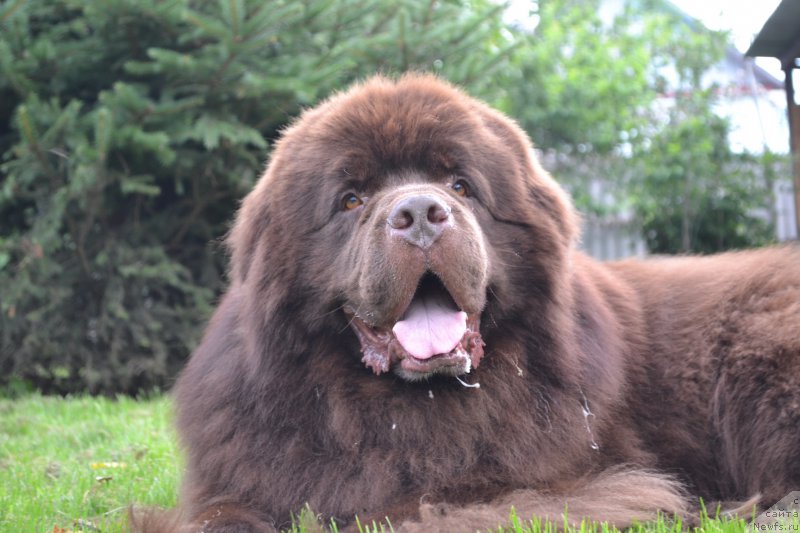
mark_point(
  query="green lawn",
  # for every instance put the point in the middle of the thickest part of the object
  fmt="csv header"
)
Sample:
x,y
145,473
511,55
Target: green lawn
x,y
78,463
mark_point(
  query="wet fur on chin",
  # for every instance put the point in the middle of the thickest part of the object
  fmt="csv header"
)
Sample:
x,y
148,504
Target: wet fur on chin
x,y
616,389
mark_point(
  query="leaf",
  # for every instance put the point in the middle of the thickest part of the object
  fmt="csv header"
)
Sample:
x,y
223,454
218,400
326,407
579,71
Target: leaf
x,y
109,464
147,143
7,10
211,130
209,25
235,13
102,131
23,115
141,184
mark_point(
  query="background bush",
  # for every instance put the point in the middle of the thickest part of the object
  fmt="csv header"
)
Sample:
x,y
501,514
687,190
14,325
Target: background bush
x,y
130,129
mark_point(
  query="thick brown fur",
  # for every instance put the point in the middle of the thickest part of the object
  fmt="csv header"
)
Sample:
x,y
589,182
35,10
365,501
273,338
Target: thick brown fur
x,y
617,390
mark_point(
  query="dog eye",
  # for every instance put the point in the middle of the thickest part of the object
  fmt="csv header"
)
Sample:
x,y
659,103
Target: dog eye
x,y
351,201
461,188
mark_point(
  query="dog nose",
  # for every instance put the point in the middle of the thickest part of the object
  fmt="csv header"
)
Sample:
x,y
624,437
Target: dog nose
x,y
419,219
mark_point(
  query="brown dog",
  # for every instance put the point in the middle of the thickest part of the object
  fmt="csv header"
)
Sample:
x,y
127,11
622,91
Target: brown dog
x,y
404,243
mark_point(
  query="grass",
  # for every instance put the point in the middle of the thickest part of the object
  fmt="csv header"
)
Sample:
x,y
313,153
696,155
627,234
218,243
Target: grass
x,y
78,463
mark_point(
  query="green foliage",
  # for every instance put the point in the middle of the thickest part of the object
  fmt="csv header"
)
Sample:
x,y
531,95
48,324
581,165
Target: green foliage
x,y
581,86
134,128
690,192
591,93
693,194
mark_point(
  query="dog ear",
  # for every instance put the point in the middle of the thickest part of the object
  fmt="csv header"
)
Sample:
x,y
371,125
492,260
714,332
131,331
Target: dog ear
x,y
548,194
531,182
251,223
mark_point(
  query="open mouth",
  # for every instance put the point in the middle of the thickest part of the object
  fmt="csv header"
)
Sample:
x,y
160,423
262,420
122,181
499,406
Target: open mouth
x,y
433,336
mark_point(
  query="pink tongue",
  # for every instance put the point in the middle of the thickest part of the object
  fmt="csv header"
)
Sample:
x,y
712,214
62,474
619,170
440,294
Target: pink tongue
x,y
431,325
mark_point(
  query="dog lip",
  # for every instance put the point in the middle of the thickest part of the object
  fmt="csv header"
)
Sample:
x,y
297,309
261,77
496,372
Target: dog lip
x,y
381,351
436,363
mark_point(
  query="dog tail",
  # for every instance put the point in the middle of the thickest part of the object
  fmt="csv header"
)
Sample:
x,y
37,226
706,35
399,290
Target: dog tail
x,y
619,496
153,520
217,517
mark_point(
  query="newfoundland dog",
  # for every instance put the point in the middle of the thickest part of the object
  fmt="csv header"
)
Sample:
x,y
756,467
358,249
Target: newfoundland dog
x,y
410,332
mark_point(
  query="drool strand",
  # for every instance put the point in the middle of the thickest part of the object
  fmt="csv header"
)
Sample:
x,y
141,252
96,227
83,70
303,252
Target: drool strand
x,y
469,385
